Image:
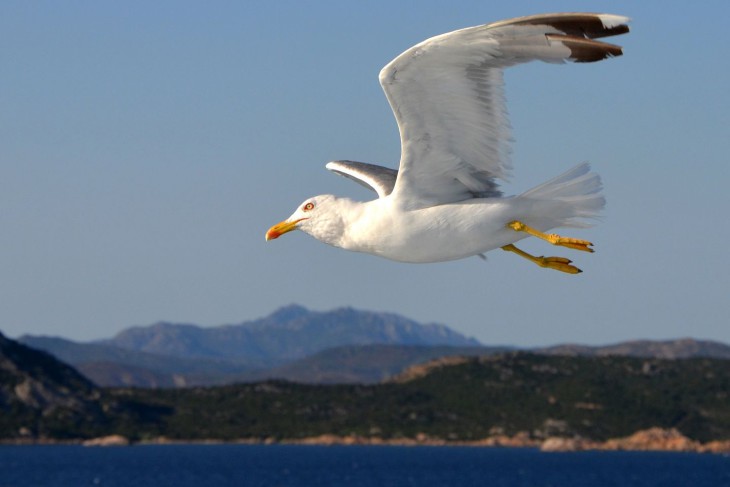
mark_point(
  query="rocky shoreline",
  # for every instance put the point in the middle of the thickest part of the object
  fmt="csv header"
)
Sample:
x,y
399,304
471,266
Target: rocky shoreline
x,y
653,439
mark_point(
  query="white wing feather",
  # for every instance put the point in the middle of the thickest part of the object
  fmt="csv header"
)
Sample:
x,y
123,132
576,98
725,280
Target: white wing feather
x,y
447,97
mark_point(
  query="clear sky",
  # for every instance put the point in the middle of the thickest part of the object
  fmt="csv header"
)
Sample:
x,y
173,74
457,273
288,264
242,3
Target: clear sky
x,y
145,148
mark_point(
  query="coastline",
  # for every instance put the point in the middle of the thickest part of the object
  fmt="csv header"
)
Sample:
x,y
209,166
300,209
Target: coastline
x,y
653,439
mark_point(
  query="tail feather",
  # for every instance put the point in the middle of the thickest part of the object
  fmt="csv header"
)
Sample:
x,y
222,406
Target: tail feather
x,y
571,197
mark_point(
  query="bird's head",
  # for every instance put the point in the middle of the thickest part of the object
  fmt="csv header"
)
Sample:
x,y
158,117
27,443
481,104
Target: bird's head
x,y
316,216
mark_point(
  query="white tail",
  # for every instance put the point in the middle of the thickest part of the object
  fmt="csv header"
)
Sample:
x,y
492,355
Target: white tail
x,y
570,197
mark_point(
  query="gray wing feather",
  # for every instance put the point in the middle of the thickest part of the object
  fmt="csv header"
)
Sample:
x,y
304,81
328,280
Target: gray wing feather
x,y
378,178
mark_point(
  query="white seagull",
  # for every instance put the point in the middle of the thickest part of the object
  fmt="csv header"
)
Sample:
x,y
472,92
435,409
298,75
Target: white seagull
x,y
444,202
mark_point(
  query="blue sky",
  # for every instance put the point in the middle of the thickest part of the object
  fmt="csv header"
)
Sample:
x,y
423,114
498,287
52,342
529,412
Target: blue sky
x,y
145,148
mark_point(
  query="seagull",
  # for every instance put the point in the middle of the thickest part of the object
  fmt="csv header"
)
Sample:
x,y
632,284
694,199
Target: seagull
x,y
444,201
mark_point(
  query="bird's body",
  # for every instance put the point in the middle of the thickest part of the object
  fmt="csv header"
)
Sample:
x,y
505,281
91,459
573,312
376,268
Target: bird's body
x,y
444,202
382,228
385,228
387,231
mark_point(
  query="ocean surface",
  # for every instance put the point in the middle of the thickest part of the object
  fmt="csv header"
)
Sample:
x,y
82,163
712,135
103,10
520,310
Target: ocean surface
x,y
357,466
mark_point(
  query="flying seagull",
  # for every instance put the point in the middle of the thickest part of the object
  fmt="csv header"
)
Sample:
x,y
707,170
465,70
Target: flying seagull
x,y
444,202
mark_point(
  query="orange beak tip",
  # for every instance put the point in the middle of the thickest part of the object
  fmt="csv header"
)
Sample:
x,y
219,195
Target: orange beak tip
x,y
281,228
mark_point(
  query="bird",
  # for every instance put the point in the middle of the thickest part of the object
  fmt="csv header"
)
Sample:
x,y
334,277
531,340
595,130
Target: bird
x,y
444,201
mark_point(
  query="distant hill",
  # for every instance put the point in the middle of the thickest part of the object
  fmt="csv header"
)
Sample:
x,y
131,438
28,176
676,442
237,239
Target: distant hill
x,y
291,333
530,395
669,349
174,355
41,396
366,347
364,364
107,365
510,395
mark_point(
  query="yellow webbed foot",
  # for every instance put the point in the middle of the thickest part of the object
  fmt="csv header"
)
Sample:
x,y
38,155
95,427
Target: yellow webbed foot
x,y
553,238
558,263
573,243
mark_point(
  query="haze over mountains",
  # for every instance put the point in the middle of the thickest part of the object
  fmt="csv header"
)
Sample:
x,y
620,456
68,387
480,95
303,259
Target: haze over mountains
x,y
343,345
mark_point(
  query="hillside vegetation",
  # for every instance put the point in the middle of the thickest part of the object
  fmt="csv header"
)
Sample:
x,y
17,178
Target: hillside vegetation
x,y
454,399
465,399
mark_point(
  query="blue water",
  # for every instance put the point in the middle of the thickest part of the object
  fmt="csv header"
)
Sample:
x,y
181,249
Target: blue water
x,y
357,466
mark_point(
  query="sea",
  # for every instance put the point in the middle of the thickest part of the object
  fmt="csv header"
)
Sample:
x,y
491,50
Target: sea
x,y
344,466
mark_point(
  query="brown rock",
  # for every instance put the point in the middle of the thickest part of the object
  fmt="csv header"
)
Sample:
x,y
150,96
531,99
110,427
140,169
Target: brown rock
x,y
557,444
520,439
721,446
111,440
653,439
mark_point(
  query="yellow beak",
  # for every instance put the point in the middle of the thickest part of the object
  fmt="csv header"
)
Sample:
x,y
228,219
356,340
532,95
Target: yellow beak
x,y
281,228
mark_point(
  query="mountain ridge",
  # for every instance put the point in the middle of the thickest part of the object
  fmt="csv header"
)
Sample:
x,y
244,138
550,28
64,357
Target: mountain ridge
x,y
290,333
344,345
168,354
684,347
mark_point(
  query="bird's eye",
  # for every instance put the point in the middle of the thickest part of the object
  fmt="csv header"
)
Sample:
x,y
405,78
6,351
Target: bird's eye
x,y
308,207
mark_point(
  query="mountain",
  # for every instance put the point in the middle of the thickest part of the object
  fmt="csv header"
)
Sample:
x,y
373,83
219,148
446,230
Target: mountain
x,y
669,349
291,333
293,343
514,395
41,396
174,355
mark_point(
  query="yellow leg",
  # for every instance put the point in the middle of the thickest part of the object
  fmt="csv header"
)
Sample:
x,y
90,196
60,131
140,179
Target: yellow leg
x,y
553,238
558,263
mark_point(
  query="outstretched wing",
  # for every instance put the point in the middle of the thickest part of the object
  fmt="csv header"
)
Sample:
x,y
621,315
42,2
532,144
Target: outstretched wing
x,y
378,178
447,97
